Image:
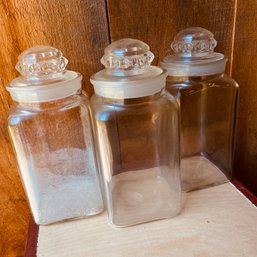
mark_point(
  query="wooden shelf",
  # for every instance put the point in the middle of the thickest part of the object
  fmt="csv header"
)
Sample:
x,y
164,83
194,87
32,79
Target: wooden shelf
x,y
218,221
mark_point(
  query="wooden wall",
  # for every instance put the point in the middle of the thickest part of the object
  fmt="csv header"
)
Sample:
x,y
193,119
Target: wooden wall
x,y
245,72
82,28
77,27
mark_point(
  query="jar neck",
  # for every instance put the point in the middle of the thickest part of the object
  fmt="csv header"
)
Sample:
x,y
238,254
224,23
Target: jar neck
x,y
55,104
195,79
128,101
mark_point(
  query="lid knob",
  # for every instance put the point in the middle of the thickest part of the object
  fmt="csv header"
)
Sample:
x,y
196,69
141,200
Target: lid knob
x,y
127,55
41,61
193,42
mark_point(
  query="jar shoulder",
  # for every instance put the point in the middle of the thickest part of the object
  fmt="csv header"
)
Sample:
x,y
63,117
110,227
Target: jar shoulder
x,y
221,80
104,109
19,112
164,99
226,79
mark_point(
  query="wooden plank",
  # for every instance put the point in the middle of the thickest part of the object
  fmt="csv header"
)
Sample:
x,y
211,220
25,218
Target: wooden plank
x,y
157,22
244,71
31,246
79,28
217,221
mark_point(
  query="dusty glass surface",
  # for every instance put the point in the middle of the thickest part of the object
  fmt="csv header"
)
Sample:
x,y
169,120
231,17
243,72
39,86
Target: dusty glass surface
x,y
53,144
51,132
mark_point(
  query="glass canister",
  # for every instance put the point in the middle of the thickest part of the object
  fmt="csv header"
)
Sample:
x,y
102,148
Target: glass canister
x,y
138,137
50,128
208,104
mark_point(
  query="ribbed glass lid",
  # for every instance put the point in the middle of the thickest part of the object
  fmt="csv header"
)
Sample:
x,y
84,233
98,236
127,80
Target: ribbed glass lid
x,y
193,54
127,57
43,76
39,61
128,71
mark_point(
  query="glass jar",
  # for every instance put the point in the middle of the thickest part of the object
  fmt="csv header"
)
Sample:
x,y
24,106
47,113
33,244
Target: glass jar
x,y
208,104
138,137
50,128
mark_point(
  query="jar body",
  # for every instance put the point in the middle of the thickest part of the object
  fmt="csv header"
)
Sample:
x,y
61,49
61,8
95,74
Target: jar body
x,y
138,145
208,108
55,153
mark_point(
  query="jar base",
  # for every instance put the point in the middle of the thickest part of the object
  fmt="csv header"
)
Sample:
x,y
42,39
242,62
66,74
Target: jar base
x,y
144,195
198,172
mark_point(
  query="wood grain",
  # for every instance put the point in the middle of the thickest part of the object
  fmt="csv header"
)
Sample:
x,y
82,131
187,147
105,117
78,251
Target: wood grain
x,y
209,225
79,28
157,22
244,71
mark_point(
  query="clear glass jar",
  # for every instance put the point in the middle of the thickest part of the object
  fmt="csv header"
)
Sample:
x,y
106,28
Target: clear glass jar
x,y
208,104
50,128
138,137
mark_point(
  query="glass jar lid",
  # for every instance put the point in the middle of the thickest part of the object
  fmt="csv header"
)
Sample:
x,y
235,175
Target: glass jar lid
x,y
194,54
128,72
43,76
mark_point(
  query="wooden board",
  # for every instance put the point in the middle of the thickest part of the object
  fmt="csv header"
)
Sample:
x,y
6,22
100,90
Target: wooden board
x,y
244,71
79,28
157,22
218,221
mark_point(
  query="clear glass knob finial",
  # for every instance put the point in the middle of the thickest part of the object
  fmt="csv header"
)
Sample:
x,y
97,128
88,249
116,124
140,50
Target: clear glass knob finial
x,y
194,42
41,61
127,55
